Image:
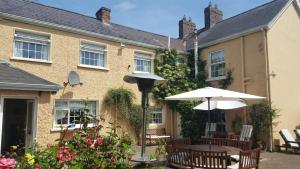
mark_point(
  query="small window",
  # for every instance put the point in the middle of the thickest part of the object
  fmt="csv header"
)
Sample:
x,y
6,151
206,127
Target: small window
x,y
181,60
156,116
142,63
67,113
92,55
31,46
217,64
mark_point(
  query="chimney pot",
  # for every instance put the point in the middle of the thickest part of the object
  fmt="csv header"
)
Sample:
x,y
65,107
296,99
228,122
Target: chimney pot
x,y
103,14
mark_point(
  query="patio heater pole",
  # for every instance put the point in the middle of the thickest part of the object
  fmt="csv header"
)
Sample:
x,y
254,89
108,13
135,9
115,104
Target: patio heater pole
x,y
144,107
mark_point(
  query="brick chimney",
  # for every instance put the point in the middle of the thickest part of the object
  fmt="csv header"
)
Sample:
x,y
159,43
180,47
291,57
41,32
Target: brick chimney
x,y
212,16
186,27
103,14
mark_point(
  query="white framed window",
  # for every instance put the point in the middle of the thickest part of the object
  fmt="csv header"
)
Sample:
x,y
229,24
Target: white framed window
x,y
181,60
93,55
142,62
29,46
156,116
217,64
67,113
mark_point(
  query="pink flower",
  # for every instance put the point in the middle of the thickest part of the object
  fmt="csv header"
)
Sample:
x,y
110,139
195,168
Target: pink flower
x,y
37,166
48,145
100,141
89,142
7,162
65,155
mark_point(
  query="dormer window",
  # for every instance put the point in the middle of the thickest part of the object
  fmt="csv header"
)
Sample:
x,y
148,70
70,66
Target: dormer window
x,y
93,55
29,46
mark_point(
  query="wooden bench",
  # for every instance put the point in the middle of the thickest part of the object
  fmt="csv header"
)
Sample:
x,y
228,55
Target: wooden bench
x,y
154,136
192,159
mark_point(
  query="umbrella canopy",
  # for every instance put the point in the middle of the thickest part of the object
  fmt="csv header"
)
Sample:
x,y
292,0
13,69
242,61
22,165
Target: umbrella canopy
x,y
213,93
224,105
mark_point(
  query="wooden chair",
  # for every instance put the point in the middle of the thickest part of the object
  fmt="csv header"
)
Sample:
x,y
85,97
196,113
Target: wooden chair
x,y
290,142
209,159
247,160
213,129
182,141
179,157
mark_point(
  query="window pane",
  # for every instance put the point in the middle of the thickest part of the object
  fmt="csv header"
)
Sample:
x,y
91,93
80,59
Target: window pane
x,y
157,116
217,61
61,104
142,63
32,46
92,55
61,117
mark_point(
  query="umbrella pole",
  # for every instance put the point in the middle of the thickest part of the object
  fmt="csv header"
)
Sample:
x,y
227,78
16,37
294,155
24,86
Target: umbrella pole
x,y
209,133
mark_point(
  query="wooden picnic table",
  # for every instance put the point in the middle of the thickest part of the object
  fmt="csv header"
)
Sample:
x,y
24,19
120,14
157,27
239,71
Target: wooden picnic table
x,y
204,147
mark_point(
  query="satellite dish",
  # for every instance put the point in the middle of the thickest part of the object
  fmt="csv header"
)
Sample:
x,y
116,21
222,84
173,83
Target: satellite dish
x,y
73,79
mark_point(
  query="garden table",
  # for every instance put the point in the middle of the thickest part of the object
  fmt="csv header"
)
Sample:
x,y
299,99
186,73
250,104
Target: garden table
x,y
230,150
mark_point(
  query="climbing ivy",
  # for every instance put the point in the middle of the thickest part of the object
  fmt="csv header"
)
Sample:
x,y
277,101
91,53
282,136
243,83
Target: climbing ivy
x,y
181,78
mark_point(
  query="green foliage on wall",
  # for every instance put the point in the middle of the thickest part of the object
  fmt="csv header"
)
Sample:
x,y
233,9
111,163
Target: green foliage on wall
x,y
119,100
181,78
263,118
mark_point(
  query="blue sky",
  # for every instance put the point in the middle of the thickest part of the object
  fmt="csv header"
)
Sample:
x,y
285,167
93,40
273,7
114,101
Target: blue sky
x,y
158,16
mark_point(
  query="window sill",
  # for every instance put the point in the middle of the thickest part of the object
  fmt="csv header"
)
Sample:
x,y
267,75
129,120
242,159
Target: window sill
x,y
140,72
156,124
58,129
93,67
31,60
216,78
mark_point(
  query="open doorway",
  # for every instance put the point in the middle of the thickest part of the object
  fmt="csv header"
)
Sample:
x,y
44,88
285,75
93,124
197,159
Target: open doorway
x,y
17,123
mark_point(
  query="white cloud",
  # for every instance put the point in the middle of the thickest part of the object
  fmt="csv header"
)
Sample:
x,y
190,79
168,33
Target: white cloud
x,y
125,6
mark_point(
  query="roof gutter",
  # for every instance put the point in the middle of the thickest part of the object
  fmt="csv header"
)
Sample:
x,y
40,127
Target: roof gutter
x,y
29,87
234,36
74,30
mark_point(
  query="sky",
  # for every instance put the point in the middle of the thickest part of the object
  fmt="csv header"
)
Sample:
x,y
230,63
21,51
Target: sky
x,y
157,16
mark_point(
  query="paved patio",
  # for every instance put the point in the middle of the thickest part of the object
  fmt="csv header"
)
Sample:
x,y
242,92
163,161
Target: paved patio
x,y
269,160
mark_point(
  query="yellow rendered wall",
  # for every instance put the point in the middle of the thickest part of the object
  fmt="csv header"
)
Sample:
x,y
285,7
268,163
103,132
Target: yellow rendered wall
x,y
283,47
65,55
245,57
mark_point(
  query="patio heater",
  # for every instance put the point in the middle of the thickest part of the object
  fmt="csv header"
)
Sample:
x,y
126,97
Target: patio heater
x,y
145,82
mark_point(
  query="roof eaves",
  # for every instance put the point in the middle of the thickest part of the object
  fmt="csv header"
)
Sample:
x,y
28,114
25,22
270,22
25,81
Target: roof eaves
x,y
275,19
74,30
31,87
247,32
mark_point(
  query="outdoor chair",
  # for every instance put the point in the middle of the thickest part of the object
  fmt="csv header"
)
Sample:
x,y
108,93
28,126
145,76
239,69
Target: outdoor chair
x,y
213,129
245,135
247,160
181,141
297,132
290,142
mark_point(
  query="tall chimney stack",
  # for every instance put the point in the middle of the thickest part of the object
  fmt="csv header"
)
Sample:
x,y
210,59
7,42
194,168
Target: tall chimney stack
x,y
186,27
103,14
212,16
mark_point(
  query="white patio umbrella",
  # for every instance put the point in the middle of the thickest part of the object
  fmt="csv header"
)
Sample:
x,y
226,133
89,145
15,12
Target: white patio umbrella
x,y
221,104
212,94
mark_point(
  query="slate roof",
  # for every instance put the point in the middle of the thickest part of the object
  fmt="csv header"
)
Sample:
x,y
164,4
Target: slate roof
x,y
17,79
257,17
53,15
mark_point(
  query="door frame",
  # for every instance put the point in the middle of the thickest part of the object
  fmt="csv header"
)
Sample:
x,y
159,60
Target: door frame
x,y
34,120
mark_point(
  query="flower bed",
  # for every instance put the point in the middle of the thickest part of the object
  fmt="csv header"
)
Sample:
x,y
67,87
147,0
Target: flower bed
x,y
85,149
